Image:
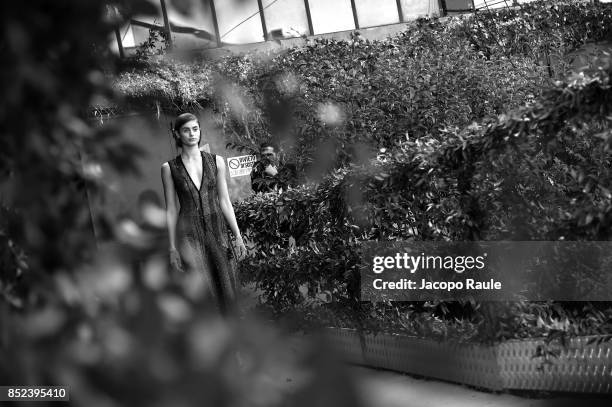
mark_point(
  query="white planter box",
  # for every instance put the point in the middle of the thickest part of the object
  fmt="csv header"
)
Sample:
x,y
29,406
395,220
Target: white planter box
x,y
510,365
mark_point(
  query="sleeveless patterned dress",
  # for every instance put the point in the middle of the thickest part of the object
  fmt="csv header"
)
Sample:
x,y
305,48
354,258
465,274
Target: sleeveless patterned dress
x,y
201,232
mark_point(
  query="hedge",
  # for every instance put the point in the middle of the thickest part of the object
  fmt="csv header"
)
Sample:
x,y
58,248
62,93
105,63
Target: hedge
x,y
431,76
475,114
548,162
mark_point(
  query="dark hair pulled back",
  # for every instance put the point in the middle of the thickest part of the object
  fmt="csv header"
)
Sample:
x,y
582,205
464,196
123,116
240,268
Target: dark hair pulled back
x,y
180,122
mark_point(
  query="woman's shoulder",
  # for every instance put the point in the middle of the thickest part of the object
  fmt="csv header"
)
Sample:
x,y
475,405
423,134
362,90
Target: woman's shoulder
x,y
168,164
173,160
212,156
208,153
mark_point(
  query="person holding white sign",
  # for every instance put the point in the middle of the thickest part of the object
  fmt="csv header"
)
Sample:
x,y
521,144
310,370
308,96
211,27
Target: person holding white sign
x,y
194,181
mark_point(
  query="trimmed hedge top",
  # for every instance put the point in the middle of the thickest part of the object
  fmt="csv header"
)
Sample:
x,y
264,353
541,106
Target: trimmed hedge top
x,y
168,82
342,100
510,32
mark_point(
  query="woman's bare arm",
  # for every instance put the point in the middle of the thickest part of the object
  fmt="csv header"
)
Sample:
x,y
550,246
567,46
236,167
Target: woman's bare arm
x,y
171,204
224,199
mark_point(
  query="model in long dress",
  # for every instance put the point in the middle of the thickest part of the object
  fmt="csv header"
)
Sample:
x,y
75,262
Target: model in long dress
x,y
200,234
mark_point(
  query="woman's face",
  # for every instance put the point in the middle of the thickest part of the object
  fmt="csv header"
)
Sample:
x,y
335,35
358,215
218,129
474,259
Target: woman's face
x,y
189,133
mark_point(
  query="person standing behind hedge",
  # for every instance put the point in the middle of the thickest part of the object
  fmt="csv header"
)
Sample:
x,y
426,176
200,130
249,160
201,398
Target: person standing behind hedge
x,y
267,174
194,181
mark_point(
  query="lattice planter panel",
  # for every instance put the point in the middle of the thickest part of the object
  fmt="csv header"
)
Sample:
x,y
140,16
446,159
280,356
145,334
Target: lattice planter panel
x,y
347,344
512,365
581,367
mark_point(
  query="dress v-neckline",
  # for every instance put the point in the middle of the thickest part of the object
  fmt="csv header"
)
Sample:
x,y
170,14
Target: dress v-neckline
x,y
189,175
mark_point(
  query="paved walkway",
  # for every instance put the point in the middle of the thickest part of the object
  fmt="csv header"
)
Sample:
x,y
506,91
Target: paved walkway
x,y
377,388
382,388
389,389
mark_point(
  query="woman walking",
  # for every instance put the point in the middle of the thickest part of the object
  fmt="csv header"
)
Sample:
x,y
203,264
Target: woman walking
x,y
194,181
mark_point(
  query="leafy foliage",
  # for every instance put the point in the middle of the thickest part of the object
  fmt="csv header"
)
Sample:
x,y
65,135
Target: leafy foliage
x,y
49,153
332,102
435,98
110,322
156,44
544,31
541,172
178,83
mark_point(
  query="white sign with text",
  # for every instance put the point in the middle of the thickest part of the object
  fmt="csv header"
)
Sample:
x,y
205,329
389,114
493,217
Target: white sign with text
x,y
241,165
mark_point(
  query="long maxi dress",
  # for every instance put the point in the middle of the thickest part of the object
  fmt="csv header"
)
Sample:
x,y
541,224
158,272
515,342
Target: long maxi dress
x,y
202,235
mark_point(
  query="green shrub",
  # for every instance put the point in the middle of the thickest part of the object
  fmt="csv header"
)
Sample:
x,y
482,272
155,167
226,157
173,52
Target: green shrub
x,y
111,323
543,31
180,84
548,162
432,76
431,97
